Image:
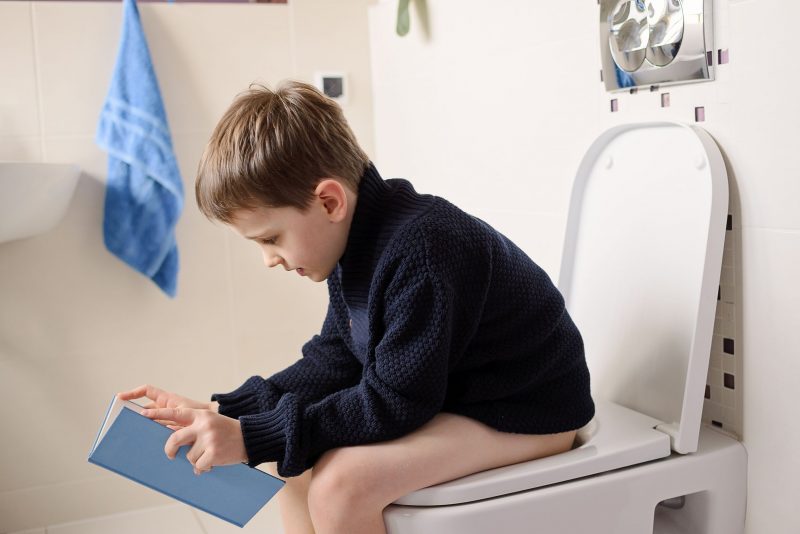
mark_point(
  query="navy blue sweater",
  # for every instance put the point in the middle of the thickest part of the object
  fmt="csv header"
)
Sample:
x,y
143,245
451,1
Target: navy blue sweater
x,y
430,310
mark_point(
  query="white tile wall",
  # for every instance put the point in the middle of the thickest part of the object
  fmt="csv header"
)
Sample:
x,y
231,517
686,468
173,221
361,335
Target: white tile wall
x,y
18,82
76,324
492,105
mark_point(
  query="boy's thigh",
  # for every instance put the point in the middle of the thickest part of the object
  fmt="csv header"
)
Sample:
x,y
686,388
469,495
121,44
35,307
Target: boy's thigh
x,y
449,446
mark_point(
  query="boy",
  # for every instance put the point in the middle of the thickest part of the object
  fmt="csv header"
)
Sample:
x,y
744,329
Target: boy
x,y
445,350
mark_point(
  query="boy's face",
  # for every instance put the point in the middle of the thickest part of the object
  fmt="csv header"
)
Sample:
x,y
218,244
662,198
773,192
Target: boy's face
x,y
310,242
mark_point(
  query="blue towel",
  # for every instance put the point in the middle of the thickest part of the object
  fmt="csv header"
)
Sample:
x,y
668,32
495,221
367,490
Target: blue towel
x,y
624,79
144,192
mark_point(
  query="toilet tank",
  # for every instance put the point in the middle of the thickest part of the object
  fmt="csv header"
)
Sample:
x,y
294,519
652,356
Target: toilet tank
x,y
641,265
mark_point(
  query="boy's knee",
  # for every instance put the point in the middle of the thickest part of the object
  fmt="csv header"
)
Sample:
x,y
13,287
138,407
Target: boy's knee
x,y
338,485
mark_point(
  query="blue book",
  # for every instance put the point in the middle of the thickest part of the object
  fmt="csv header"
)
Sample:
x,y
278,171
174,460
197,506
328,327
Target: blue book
x,y
132,445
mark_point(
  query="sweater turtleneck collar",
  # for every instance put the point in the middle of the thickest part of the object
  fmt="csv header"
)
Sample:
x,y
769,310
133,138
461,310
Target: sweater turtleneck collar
x,y
365,227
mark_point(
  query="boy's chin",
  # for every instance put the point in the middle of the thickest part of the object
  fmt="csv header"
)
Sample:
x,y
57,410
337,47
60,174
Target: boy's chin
x,y
311,276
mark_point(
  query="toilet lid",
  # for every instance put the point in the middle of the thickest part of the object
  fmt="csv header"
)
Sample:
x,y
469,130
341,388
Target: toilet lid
x,y
641,265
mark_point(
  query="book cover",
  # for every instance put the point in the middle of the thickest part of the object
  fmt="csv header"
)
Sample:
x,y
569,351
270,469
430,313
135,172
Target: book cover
x,y
132,445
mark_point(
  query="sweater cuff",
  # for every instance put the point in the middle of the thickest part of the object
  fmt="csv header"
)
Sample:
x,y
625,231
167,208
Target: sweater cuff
x,y
269,436
242,401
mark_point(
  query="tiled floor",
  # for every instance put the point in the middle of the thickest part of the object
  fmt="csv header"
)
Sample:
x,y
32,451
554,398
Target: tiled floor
x,y
172,519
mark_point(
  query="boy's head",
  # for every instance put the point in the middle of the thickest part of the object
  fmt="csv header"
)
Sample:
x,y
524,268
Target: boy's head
x,y
284,162
271,149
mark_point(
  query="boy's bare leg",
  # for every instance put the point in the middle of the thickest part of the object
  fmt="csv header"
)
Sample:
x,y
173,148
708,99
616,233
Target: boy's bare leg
x,y
351,486
293,502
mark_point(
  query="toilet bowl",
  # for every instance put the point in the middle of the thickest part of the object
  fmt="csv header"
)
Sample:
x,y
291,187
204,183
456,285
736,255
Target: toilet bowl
x,y
640,275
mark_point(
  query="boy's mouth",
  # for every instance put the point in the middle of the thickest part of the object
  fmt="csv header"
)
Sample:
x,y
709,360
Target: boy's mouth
x,y
300,271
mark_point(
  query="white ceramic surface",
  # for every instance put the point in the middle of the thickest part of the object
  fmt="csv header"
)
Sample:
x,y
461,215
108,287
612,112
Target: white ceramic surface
x,y
34,197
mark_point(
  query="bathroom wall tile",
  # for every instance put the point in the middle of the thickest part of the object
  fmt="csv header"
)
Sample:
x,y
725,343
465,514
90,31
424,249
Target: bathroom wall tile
x,y
320,46
728,364
19,114
274,311
193,44
267,520
454,22
716,393
74,501
76,46
715,360
761,81
771,298
20,148
190,46
711,412
525,138
177,519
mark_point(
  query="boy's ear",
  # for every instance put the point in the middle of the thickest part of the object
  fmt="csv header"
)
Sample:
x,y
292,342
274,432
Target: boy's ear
x,y
333,197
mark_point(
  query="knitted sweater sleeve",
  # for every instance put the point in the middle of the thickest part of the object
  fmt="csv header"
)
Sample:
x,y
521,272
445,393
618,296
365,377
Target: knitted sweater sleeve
x,y
401,388
327,365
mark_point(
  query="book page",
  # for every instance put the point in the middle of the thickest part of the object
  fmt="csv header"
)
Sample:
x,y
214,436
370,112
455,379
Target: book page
x,y
116,407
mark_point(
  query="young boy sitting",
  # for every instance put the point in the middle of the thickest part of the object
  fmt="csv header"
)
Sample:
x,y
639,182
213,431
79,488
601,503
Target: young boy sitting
x,y
445,350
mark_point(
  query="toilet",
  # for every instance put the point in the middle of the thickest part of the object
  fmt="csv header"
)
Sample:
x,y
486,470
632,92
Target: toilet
x,y
640,273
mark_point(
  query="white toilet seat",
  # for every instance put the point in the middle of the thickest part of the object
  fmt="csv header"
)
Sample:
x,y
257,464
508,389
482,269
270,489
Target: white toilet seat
x,y
616,437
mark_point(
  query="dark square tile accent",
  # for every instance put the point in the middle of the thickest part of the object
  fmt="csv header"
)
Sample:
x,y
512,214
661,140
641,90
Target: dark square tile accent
x,y
719,292
722,56
601,70
664,100
653,88
708,391
716,423
729,225
727,345
614,105
700,114
634,90
710,58
728,380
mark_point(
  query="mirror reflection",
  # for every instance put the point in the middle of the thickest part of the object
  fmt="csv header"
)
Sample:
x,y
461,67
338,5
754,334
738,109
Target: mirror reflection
x,y
629,29
665,18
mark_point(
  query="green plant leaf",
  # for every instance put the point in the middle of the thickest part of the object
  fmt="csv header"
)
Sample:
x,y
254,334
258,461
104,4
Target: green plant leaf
x,y
403,20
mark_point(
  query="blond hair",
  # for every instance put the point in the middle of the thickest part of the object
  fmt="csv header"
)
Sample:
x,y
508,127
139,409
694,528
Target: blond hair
x,y
271,149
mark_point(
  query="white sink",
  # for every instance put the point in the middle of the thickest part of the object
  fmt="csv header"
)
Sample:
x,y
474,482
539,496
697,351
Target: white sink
x,y
34,197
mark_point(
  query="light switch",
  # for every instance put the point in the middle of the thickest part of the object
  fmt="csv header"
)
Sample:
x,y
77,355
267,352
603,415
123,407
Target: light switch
x,y
333,85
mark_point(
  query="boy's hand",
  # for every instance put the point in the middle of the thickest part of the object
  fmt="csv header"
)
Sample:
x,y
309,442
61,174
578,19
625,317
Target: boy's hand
x,y
164,399
217,439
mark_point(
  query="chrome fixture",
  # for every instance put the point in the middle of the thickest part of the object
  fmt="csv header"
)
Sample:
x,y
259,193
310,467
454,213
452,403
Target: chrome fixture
x,y
655,42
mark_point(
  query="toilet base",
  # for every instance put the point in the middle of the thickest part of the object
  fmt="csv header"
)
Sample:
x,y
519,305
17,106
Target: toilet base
x,y
624,501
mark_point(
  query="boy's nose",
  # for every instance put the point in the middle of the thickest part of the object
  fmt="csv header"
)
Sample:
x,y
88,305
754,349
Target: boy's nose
x,y
272,262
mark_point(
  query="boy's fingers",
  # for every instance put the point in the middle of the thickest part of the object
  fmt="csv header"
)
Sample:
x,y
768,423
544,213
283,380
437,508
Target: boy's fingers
x,y
181,416
184,436
131,394
166,423
203,464
144,390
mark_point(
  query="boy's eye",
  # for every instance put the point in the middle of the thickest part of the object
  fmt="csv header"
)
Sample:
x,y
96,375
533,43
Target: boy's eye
x,y
268,241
